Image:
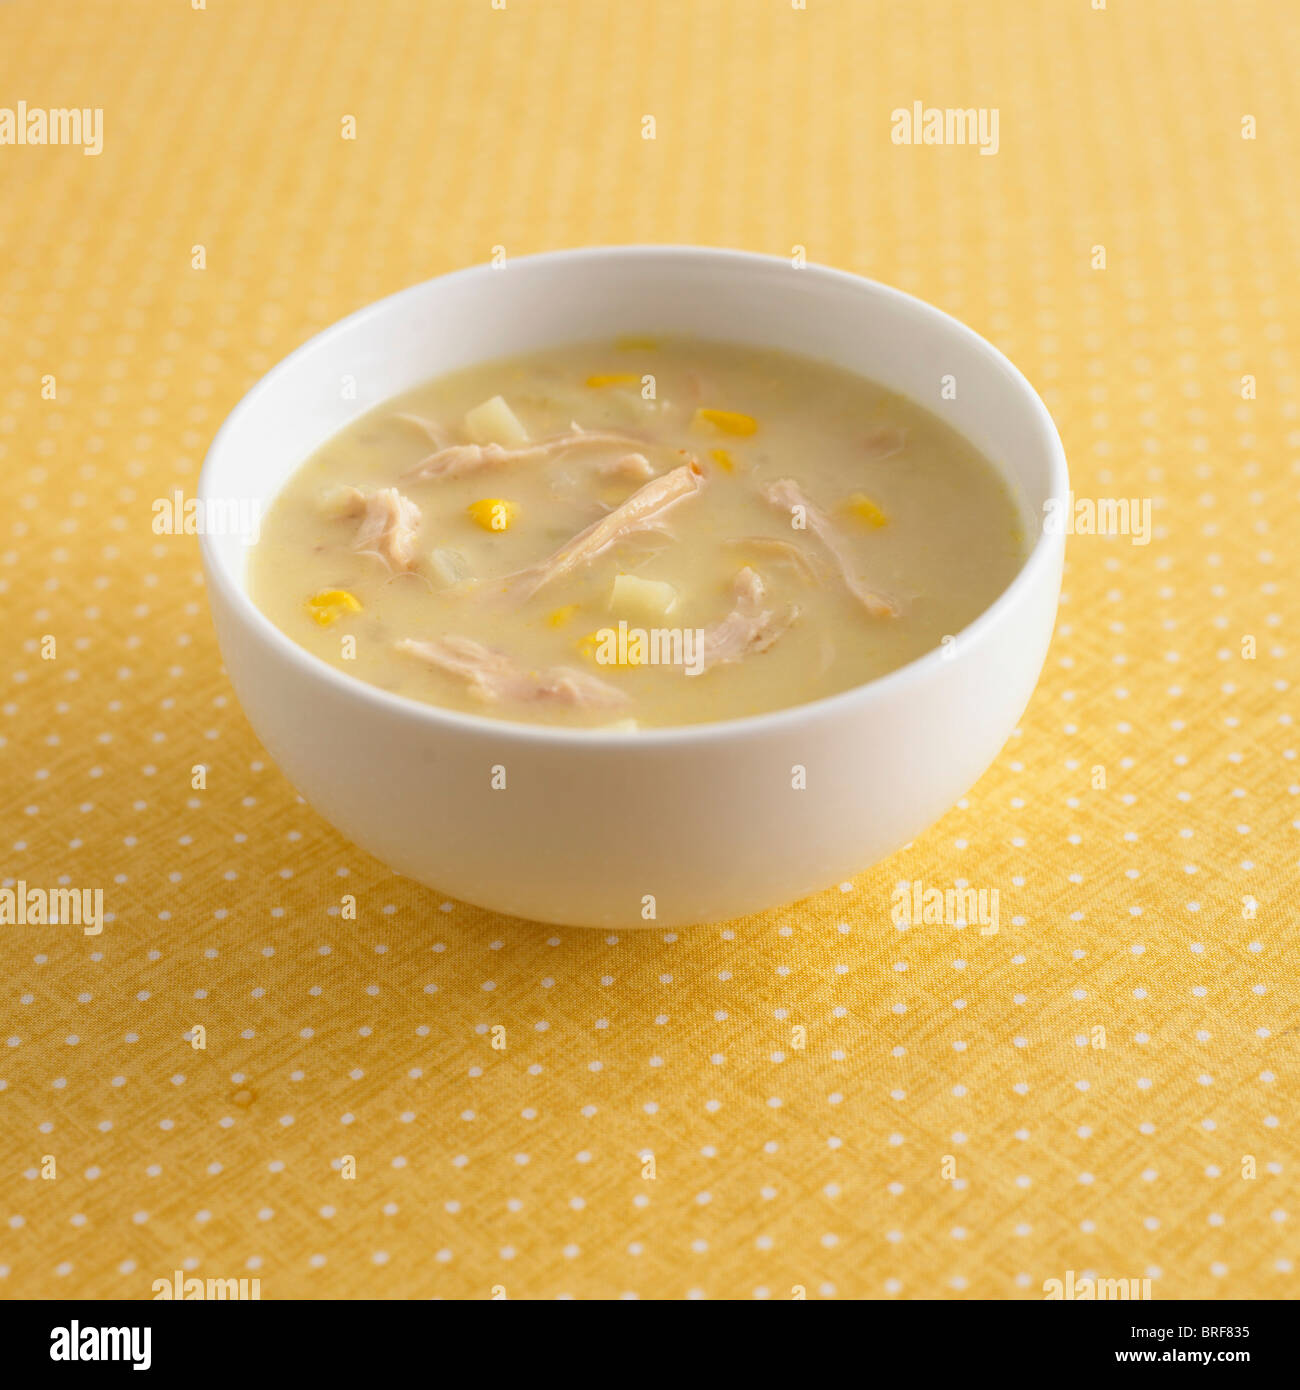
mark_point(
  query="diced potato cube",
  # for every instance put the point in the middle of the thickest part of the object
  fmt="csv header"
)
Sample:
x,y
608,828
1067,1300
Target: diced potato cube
x,y
339,502
728,421
493,513
632,594
448,567
494,422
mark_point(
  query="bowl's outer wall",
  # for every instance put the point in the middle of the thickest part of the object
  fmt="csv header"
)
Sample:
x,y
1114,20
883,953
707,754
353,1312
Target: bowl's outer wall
x,y
594,831
587,836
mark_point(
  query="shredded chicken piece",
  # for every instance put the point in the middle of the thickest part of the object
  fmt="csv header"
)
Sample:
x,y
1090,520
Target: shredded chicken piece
x,y
785,494
812,570
458,459
389,522
629,466
493,676
748,628
432,431
885,442
642,511
692,390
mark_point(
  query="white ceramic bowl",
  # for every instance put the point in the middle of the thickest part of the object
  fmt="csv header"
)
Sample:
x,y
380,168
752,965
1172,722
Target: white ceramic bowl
x,y
693,824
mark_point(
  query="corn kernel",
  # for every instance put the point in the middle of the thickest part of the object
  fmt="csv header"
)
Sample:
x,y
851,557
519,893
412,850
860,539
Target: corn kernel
x,y
862,507
560,616
493,513
330,604
728,421
613,379
723,459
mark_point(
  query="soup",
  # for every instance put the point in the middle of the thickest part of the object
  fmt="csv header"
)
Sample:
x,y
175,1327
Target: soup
x,y
636,534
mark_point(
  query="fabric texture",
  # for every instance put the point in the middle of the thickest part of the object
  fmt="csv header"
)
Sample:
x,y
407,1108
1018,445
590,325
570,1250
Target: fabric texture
x,y
1107,1085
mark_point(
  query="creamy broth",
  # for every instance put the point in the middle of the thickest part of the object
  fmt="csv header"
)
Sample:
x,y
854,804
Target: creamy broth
x,y
636,534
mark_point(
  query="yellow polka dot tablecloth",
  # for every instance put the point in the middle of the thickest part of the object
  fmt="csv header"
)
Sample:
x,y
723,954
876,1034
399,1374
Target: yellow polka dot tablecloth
x,y
1106,1087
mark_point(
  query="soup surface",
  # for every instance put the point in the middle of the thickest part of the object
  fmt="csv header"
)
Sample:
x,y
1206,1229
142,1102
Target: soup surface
x,y
636,533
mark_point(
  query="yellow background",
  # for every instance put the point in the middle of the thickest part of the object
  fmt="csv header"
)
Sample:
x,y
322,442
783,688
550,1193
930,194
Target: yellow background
x,y
1126,909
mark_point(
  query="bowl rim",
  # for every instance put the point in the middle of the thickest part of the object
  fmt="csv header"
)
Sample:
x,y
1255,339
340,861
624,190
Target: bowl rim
x,y
1035,568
